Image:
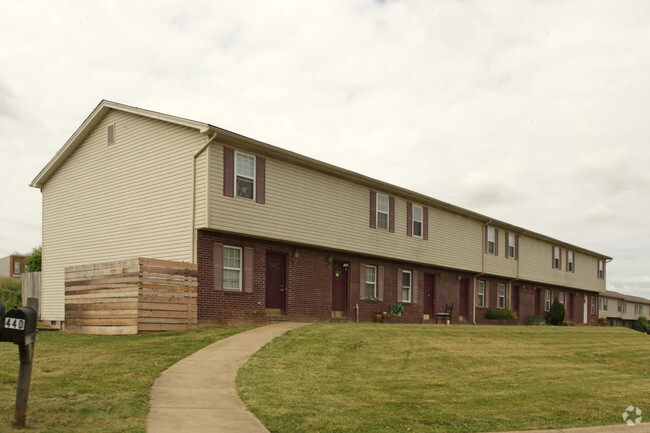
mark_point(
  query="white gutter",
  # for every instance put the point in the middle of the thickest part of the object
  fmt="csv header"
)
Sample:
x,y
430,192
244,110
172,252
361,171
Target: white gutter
x,y
200,151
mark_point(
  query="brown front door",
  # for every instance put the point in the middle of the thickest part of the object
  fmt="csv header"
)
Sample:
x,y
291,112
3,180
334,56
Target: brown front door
x,y
276,294
463,298
339,289
429,283
515,298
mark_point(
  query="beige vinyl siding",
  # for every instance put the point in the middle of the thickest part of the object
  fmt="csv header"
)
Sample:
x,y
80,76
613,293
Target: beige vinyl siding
x,y
535,265
201,191
308,207
112,202
5,266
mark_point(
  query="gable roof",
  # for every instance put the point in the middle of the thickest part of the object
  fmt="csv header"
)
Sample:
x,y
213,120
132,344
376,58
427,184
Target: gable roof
x,y
277,152
89,124
630,298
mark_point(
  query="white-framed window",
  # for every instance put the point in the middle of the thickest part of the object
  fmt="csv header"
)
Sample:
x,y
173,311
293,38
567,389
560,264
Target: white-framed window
x,y
619,306
502,295
481,294
512,245
16,268
383,209
491,240
232,261
636,308
624,307
593,305
569,260
640,310
601,269
406,286
562,297
371,282
557,259
605,304
417,221
244,176
547,302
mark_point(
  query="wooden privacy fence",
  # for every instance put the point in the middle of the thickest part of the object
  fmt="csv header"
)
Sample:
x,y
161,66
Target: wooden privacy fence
x,y
130,296
31,289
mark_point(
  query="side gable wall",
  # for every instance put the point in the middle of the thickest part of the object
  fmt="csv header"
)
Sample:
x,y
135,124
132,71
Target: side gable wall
x,y
129,199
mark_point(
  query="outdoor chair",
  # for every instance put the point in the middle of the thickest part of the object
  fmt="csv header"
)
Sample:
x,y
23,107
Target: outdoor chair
x,y
446,316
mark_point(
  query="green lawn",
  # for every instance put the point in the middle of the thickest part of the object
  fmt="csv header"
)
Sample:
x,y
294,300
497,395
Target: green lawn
x,y
398,378
84,383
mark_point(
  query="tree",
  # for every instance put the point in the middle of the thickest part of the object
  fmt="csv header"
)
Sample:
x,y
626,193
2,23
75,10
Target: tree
x,y
641,324
33,260
555,315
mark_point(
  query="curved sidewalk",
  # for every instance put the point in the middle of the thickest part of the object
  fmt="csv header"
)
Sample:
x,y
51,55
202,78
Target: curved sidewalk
x,y
198,393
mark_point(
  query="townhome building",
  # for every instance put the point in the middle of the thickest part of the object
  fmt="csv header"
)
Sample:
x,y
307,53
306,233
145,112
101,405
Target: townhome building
x,y
280,236
12,266
618,309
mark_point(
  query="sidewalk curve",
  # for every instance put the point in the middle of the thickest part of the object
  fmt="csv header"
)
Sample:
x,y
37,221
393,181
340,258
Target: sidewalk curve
x,y
198,393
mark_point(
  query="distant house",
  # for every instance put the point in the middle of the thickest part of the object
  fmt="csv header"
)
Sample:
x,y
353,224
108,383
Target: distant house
x,y
12,266
622,310
280,236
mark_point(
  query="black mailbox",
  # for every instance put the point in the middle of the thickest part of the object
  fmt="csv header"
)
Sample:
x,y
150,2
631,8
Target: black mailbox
x,y
18,323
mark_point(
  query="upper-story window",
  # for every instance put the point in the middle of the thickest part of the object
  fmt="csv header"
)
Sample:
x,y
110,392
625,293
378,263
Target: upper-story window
x,y
244,176
601,269
481,294
619,306
604,303
16,268
502,295
417,221
557,258
624,307
491,241
640,310
512,245
383,211
570,261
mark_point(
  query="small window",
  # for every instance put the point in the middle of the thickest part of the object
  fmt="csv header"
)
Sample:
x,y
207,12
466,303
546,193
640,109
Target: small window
x,y
512,244
16,268
601,269
417,221
481,294
502,296
593,305
406,286
562,295
245,176
624,307
232,268
383,208
619,306
640,310
371,282
556,257
569,260
491,240
547,303
605,304
636,308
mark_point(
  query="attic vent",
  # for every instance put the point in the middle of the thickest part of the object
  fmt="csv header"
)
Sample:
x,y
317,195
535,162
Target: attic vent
x,y
110,134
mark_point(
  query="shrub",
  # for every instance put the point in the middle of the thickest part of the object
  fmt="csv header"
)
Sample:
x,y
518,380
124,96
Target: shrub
x,y
568,323
555,315
535,320
641,324
11,292
396,310
500,314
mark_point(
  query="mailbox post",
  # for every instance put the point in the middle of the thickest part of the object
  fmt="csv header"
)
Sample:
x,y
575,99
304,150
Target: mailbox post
x,y
18,326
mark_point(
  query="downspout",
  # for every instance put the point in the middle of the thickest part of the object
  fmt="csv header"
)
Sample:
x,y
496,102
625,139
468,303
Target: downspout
x,y
200,151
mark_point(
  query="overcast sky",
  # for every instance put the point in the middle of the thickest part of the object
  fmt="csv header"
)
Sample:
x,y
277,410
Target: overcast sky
x,y
532,112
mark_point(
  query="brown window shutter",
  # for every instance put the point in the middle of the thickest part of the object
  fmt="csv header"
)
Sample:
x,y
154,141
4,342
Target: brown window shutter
x,y
560,261
567,260
496,242
574,262
425,223
409,218
507,246
373,209
516,247
552,256
391,214
217,266
380,283
260,179
399,285
248,269
228,172
486,240
414,287
362,281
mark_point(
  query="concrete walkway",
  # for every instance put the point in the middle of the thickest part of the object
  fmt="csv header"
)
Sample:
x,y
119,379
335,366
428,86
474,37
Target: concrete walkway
x,y
198,395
